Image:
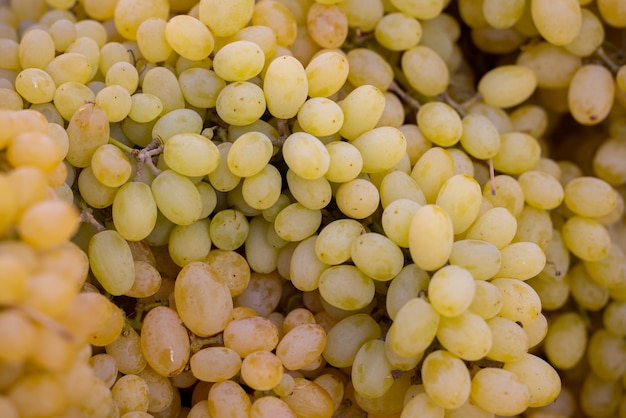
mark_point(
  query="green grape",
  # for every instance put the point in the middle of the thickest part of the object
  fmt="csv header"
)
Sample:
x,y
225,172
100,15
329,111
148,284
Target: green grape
x,y
215,364
451,290
598,396
304,266
586,238
191,154
327,25
420,9
160,389
425,70
362,108
590,36
398,32
177,121
334,242
396,220
584,290
480,137
431,237
466,335
541,190
409,283
249,154
127,15
590,106
130,393
481,258
397,185
499,391
326,73
487,300
189,37
409,337
263,36
446,379
87,130
260,254
222,179
134,211
110,166
126,350
543,381
345,162
377,256
613,317
521,260
460,196
306,155
552,65
367,67
301,345
177,197
162,82
589,196
94,193
432,170
144,107
202,299
228,229
225,18
605,354
239,61
440,123
115,100
502,14
320,116
520,302
558,22
285,86
278,17
509,343
507,86
200,86
123,74
371,371
240,103
164,341
89,48
358,198
381,148
189,243
262,189
35,85
151,41
346,287
111,261
518,153
36,49
346,337
313,194
612,13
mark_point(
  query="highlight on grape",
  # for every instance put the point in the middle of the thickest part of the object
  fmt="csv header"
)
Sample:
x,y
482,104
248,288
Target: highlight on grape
x,y
312,208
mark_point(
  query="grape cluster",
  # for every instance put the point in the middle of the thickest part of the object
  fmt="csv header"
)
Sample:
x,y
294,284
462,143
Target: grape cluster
x,y
312,208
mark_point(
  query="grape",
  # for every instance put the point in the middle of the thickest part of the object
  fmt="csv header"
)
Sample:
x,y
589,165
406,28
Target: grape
x,y
499,391
590,109
560,22
498,88
409,337
320,116
313,194
239,61
346,287
425,70
164,341
452,391
130,393
327,25
586,238
381,148
196,284
181,236
240,103
398,32
191,154
161,82
111,261
430,237
261,370
249,154
35,85
134,211
128,15
189,37
277,16
177,197
326,73
362,108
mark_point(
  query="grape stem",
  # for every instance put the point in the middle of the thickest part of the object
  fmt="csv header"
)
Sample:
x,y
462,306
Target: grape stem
x,y
607,60
86,216
144,156
46,322
121,145
198,343
404,96
283,132
492,177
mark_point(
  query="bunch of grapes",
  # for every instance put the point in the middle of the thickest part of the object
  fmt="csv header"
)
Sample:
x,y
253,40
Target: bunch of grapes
x,y
312,208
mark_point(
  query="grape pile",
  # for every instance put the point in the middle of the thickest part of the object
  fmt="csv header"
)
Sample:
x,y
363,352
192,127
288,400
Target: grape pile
x,y
312,208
